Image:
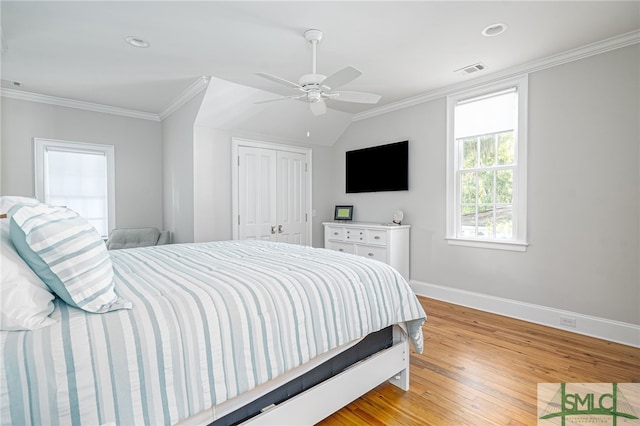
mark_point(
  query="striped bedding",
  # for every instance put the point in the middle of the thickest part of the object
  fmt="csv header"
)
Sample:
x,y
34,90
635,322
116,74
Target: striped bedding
x,y
209,321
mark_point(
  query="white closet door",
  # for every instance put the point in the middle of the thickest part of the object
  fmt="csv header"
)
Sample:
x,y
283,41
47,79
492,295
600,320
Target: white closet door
x,y
271,187
257,194
291,194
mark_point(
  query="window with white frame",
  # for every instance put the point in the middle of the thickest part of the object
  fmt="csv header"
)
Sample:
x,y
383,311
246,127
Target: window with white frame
x,y
486,166
79,176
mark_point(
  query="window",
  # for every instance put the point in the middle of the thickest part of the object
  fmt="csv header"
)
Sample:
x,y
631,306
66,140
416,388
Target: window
x,y
486,166
79,176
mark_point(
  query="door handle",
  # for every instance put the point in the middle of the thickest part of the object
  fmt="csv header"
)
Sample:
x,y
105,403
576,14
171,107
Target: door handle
x,y
280,229
273,229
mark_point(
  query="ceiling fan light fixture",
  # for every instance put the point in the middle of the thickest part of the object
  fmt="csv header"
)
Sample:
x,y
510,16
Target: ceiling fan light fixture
x,y
494,30
314,96
316,87
137,42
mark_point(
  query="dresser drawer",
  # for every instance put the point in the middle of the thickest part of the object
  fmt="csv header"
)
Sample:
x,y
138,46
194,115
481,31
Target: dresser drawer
x,y
354,234
374,236
335,233
342,247
371,252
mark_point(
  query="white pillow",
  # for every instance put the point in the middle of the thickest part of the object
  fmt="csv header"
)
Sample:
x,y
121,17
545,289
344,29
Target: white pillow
x,y
67,253
25,301
8,201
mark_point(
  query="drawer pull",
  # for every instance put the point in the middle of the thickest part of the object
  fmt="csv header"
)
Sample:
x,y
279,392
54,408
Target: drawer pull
x,y
340,249
377,237
335,233
370,254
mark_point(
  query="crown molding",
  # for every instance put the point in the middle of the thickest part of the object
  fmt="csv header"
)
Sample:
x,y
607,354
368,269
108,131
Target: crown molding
x,y
191,91
71,103
603,46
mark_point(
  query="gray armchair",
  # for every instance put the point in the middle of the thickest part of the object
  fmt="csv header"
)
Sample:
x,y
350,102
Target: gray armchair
x,y
137,237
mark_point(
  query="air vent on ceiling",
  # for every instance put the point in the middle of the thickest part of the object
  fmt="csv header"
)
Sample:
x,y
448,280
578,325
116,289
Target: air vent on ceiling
x,y
470,69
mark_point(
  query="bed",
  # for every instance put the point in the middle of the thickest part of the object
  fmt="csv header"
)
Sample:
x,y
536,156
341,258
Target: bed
x,y
213,327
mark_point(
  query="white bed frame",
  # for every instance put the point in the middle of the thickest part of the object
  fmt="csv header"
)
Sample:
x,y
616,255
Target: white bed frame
x,y
322,400
327,397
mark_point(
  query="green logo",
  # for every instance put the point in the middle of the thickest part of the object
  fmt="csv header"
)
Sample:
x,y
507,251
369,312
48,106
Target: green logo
x,y
588,403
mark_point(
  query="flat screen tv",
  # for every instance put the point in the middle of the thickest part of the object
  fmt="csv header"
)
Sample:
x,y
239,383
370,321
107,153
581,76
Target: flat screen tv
x,y
379,168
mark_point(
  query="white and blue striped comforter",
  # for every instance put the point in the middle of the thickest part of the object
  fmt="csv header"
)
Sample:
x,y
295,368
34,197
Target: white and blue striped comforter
x,y
209,321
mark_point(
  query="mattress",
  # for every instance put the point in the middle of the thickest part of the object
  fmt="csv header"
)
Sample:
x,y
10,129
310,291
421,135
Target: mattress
x,y
210,321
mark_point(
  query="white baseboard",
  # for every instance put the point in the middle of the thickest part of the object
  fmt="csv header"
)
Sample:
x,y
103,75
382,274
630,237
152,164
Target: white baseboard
x,y
602,328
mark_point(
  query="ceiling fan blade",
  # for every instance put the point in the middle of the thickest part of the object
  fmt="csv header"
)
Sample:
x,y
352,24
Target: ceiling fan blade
x,y
358,97
278,80
318,108
344,76
280,99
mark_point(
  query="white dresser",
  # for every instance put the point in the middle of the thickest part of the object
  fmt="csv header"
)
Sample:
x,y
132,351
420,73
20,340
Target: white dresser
x,y
387,243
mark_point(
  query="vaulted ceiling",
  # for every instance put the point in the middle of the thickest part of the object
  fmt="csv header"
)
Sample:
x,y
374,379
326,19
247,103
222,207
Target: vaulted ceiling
x,y
77,49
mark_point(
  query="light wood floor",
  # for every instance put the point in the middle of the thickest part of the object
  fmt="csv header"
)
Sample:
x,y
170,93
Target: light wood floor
x,y
483,369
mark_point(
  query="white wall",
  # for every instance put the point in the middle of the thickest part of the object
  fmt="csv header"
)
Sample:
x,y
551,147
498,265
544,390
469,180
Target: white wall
x,y
584,193
212,185
178,170
137,153
325,176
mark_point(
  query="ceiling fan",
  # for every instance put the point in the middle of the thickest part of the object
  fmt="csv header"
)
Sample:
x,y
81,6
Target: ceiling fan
x,y
316,88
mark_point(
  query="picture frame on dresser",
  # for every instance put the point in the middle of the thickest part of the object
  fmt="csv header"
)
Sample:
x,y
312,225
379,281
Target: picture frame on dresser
x,y
343,213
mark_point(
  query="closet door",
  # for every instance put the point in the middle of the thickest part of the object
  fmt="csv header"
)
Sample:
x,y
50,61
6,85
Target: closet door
x,y
291,196
271,193
257,194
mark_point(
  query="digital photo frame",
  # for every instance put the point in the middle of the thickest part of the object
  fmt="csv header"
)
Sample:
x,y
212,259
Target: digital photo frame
x,y
343,213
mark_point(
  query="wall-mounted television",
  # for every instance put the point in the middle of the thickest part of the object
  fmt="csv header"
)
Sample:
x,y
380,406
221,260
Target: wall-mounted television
x,y
378,168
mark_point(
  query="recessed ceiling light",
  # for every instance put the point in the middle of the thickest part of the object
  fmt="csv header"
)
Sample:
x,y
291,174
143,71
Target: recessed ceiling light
x,y
137,41
494,30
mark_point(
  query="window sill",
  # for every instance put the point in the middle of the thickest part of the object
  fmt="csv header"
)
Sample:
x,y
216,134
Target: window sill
x,y
495,245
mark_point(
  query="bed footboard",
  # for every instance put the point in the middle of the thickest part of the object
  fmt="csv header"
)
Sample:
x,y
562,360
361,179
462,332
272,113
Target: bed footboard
x,y
401,379
331,395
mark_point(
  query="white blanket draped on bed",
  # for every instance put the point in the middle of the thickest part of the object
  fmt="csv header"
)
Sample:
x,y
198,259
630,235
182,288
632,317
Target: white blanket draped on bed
x,y
209,321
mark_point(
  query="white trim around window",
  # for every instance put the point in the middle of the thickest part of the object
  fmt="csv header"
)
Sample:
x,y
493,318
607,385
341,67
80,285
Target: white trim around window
x,y
455,234
42,146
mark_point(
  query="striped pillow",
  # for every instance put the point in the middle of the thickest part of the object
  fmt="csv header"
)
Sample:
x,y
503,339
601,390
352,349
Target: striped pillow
x,y
67,253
